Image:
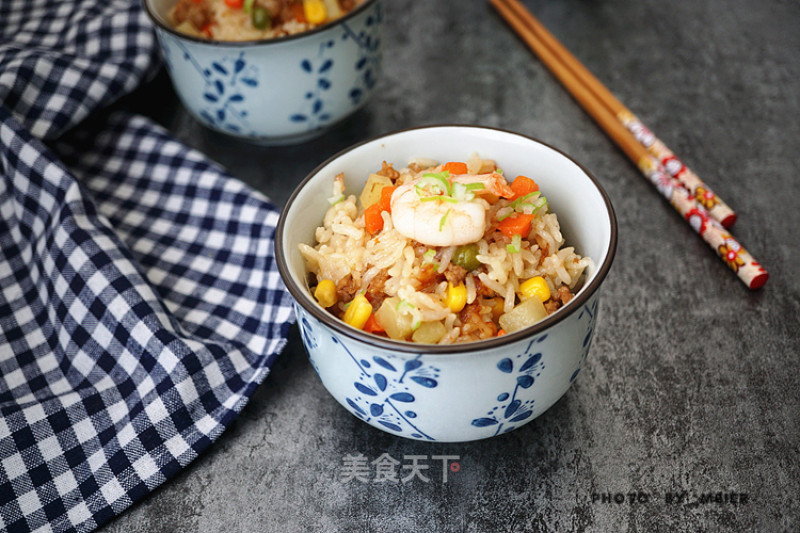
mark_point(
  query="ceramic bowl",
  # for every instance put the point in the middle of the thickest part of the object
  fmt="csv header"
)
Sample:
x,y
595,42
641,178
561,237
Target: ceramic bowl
x,y
277,91
460,392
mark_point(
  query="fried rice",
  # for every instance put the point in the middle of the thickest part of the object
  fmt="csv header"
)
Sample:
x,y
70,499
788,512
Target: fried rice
x,y
417,278
248,20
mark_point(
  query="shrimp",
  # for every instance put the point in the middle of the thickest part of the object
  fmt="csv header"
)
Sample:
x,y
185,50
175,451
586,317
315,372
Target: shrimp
x,y
441,211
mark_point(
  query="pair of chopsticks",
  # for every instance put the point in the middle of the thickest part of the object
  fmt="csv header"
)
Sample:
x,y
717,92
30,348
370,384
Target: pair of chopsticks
x,y
708,215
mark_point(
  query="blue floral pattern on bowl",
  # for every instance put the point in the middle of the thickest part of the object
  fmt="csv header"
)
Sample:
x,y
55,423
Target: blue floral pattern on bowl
x,y
369,54
589,311
384,391
276,91
228,83
317,71
511,410
314,113
393,391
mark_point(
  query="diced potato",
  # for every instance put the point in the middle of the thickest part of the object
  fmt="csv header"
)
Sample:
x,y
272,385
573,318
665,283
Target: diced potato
x,y
487,165
429,332
395,320
188,28
423,162
476,165
333,9
371,192
523,315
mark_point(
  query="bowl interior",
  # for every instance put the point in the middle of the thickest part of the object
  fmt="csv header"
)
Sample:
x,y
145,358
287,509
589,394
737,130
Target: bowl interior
x,y
583,209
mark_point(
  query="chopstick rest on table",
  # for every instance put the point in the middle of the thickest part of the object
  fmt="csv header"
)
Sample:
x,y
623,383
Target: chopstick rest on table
x,y
680,197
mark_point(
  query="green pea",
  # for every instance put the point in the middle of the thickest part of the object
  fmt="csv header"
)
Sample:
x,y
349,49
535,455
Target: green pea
x,y
466,256
260,18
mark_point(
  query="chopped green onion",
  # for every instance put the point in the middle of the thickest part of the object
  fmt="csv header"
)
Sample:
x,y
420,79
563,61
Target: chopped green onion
x,y
333,200
464,191
248,5
523,199
444,174
499,171
404,303
430,185
444,220
461,193
438,181
428,258
440,197
532,207
528,204
504,213
516,244
543,203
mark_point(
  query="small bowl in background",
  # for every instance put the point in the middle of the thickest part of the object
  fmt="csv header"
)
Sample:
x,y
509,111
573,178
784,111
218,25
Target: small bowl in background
x,y
457,392
275,91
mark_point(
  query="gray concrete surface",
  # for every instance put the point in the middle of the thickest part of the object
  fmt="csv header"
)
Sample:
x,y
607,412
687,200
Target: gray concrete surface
x,y
692,384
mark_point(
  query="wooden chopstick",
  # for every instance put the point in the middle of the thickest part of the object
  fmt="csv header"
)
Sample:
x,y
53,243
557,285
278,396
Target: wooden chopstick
x,y
717,208
711,230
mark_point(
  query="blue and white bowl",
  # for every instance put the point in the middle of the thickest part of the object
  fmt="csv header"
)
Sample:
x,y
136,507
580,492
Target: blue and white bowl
x,y
276,91
461,392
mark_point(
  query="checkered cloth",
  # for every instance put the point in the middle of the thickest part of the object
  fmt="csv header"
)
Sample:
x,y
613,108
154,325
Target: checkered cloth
x,y
140,303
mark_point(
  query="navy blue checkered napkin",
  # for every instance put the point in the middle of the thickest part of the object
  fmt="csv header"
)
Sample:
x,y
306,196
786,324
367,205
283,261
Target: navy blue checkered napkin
x,y
140,304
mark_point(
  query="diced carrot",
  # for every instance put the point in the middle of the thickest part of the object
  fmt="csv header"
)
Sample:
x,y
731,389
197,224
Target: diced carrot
x,y
519,224
298,12
500,332
372,325
386,198
373,220
234,4
207,31
456,168
523,185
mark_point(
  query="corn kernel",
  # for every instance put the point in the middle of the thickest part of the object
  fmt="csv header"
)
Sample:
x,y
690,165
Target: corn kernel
x,y
456,297
325,293
315,11
536,286
358,312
